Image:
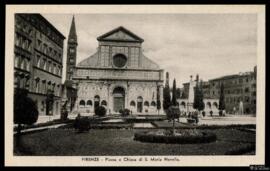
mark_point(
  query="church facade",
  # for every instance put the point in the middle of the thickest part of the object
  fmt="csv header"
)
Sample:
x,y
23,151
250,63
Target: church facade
x,y
118,76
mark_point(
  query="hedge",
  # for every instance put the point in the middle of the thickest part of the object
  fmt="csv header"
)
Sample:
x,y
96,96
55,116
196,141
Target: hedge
x,y
191,139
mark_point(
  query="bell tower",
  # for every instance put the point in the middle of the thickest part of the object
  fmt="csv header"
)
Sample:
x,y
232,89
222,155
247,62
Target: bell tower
x,y
71,51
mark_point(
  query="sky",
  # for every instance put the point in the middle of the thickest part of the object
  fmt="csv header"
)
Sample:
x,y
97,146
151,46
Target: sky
x,y
211,45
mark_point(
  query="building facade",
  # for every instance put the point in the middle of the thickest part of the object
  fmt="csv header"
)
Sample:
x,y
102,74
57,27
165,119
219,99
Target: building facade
x,y
38,60
187,98
239,90
118,76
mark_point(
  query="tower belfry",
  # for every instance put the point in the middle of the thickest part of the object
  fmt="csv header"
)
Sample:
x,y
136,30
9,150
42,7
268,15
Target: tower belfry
x,y
71,51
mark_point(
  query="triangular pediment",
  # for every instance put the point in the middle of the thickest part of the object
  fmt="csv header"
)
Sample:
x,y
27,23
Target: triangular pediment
x,y
120,34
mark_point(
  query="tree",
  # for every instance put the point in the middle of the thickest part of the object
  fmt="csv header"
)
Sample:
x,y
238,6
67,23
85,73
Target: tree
x,y
178,93
166,97
158,100
221,106
201,103
174,101
25,110
173,111
198,99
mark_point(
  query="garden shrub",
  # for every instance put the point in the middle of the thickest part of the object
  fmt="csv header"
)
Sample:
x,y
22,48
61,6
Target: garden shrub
x,y
220,113
82,124
100,111
125,112
183,139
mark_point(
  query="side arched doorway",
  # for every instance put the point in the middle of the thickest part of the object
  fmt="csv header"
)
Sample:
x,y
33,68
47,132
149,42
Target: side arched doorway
x,y
96,101
118,99
139,104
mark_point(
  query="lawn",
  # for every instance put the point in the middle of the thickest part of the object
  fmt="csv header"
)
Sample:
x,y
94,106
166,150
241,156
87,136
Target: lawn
x,y
65,142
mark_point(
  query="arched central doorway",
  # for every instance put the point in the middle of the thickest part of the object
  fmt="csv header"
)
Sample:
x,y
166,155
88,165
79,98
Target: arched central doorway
x,y
118,99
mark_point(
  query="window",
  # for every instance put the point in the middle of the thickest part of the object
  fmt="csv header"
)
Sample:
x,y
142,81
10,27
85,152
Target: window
x,y
82,103
50,66
16,61
39,45
37,85
71,61
71,50
38,61
89,103
146,103
246,90
247,99
17,40
104,103
153,103
27,64
45,49
54,69
22,64
119,60
240,80
44,63
132,103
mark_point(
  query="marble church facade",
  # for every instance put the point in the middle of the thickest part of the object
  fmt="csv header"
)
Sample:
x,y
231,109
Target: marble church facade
x,y
118,76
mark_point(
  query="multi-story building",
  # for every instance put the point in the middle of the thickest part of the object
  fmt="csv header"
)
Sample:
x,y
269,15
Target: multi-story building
x,y
38,60
238,89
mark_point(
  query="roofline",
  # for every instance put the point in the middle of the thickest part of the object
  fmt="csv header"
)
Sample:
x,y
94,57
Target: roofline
x,y
50,24
120,27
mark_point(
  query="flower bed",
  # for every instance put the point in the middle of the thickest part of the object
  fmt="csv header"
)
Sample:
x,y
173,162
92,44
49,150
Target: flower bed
x,y
180,137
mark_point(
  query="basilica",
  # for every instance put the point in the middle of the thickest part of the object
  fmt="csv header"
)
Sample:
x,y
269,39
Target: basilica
x,y
118,75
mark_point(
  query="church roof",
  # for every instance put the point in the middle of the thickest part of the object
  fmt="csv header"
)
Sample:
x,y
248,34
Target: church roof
x,y
92,62
120,34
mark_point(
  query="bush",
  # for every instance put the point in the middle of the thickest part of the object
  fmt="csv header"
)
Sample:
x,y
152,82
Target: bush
x,y
125,112
203,113
190,120
220,113
211,113
64,114
173,112
183,139
100,111
25,109
82,124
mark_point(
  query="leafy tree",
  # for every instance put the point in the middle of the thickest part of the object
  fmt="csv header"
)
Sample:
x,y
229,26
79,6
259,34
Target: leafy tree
x,y
221,106
25,110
